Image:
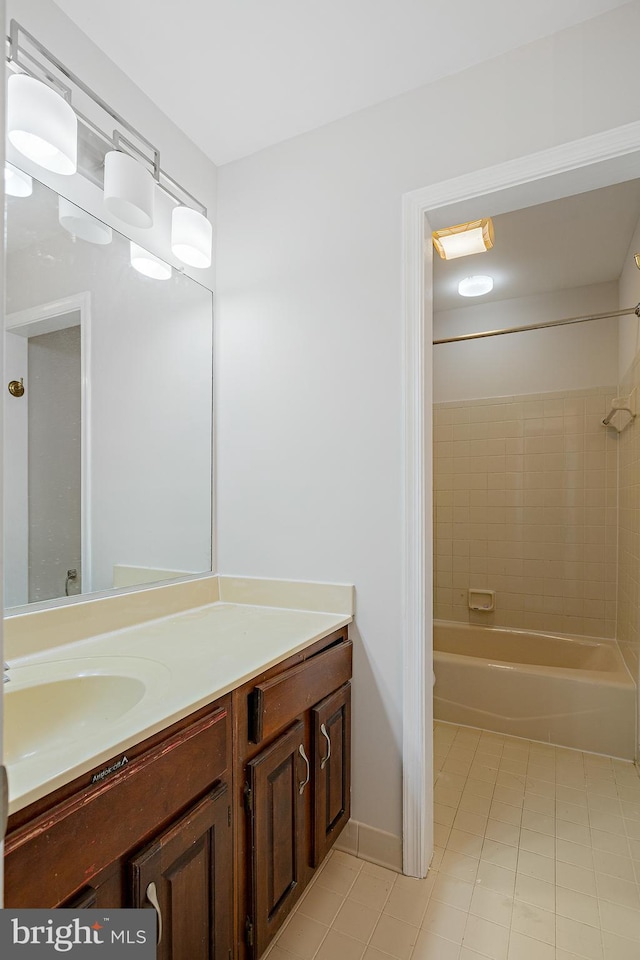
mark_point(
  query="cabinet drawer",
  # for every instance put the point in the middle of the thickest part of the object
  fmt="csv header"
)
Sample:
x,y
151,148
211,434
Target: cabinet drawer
x,y
105,820
277,702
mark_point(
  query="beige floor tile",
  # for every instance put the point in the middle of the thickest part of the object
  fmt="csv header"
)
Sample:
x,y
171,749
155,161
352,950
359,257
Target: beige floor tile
x,y
610,843
337,946
370,890
429,946
525,948
456,893
505,812
614,866
543,805
575,853
277,953
534,891
576,878
579,938
467,843
470,803
537,843
577,906
534,865
499,853
356,920
320,904
458,865
618,891
503,832
508,795
409,898
620,920
617,948
492,906
496,878
394,937
302,936
336,878
445,921
486,938
534,922
538,823
573,832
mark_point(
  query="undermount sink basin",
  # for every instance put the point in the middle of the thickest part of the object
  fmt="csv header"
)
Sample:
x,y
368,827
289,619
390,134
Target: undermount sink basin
x,y
56,703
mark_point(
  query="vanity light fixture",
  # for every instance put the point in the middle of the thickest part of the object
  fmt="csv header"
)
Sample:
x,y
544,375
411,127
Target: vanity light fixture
x,y
17,183
41,125
146,263
464,239
129,189
81,224
475,286
191,237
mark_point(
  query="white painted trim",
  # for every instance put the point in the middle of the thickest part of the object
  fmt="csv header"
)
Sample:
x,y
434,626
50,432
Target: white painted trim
x,y
416,643
36,317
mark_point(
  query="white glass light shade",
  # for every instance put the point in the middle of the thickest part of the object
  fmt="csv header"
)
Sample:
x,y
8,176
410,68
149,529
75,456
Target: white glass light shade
x,y
17,183
149,265
191,237
129,189
81,224
475,286
42,125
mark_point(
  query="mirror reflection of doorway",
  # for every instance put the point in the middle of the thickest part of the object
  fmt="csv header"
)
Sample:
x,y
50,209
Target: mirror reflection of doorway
x,y
43,496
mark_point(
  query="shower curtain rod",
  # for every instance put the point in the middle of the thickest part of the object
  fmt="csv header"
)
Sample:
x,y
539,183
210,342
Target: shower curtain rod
x,y
539,326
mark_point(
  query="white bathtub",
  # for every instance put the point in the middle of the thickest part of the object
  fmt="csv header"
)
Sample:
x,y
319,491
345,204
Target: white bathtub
x,y
570,691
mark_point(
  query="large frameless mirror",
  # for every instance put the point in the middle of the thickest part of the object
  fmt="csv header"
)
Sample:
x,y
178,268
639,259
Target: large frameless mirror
x,y
108,409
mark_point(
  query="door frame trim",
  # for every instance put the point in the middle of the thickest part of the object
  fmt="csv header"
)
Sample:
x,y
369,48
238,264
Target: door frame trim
x,y
35,317
417,574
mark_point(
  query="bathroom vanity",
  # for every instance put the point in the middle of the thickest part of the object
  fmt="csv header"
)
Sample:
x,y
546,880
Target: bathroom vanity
x,y
218,819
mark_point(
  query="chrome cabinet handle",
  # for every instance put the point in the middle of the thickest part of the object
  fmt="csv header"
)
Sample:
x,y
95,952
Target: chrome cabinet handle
x,y
325,760
152,897
303,783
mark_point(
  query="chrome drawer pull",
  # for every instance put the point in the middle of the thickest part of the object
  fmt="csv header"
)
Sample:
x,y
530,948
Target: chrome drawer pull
x,y
303,783
325,760
152,897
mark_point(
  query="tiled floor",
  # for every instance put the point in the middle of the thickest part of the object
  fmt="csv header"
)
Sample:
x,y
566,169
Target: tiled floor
x,y
537,858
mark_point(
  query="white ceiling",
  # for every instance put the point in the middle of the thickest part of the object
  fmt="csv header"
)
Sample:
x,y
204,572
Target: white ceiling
x,y
240,75
566,243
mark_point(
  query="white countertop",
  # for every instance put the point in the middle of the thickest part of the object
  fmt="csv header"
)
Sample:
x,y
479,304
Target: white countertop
x,y
185,661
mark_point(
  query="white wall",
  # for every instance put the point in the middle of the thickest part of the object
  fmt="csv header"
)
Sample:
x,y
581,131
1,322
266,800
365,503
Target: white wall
x,y
540,361
629,296
309,334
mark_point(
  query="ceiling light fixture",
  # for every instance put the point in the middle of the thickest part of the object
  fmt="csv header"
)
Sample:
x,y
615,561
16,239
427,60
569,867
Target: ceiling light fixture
x,y
41,125
464,239
17,183
637,259
148,264
475,286
128,189
191,237
81,224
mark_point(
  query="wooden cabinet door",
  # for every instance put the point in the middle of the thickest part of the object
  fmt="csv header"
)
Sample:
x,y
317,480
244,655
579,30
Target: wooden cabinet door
x,y
186,875
331,769
278,785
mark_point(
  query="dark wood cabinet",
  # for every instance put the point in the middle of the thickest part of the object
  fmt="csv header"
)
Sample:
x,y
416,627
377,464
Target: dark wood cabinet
x,y
331,720
278,789
184,875
292,797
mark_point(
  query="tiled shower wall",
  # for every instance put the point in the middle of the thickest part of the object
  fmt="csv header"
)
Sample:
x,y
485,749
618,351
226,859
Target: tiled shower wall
x,y
526,505
629,533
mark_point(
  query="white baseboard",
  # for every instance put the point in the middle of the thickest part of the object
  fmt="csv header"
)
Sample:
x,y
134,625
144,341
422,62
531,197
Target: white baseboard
x,y
368,843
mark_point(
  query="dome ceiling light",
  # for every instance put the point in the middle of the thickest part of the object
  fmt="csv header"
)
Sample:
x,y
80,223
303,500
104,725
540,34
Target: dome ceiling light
x,y
475,286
